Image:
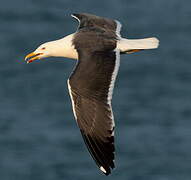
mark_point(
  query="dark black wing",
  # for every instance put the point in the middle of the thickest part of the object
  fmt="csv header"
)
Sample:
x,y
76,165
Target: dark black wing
x,y
91,86
90,20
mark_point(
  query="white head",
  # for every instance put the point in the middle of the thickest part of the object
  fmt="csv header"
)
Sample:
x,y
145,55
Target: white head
x,y
47,49
59,48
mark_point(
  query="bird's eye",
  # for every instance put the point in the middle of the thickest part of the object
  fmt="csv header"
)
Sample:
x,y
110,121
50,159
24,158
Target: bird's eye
x,y
43,48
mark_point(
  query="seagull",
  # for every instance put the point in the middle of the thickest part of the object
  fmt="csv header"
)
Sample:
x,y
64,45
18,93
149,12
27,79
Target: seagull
x,y
96,45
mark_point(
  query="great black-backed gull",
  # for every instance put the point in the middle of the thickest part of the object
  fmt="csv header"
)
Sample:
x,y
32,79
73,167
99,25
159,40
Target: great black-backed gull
x,y
97,45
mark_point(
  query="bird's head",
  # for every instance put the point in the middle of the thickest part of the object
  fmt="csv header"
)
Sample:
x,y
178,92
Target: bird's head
x,y
44,50
58,48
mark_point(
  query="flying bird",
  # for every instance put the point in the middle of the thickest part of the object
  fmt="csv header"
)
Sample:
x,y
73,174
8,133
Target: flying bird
x,y
96,45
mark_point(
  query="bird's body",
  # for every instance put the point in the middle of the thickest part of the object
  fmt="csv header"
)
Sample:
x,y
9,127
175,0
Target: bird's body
x,y
96,45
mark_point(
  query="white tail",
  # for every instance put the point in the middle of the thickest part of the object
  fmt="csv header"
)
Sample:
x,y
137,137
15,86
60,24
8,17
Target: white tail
x,y
127,45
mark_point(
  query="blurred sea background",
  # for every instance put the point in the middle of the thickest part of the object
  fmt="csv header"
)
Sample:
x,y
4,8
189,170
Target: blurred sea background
x,y
39,138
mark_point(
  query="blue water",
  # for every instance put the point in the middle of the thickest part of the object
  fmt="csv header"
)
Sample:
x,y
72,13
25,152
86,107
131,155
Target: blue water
x,y
39,139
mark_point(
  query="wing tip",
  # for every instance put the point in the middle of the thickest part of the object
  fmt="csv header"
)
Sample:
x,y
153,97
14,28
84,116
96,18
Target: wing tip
x,y
106,172
101,163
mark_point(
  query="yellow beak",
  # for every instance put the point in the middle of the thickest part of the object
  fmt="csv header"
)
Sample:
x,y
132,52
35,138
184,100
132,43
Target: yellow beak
x,y
32,57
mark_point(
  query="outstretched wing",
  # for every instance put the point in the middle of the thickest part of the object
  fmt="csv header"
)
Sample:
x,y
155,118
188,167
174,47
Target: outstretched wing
x,y
91,86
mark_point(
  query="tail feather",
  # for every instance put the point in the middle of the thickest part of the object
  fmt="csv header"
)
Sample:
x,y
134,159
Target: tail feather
x,y
134,45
